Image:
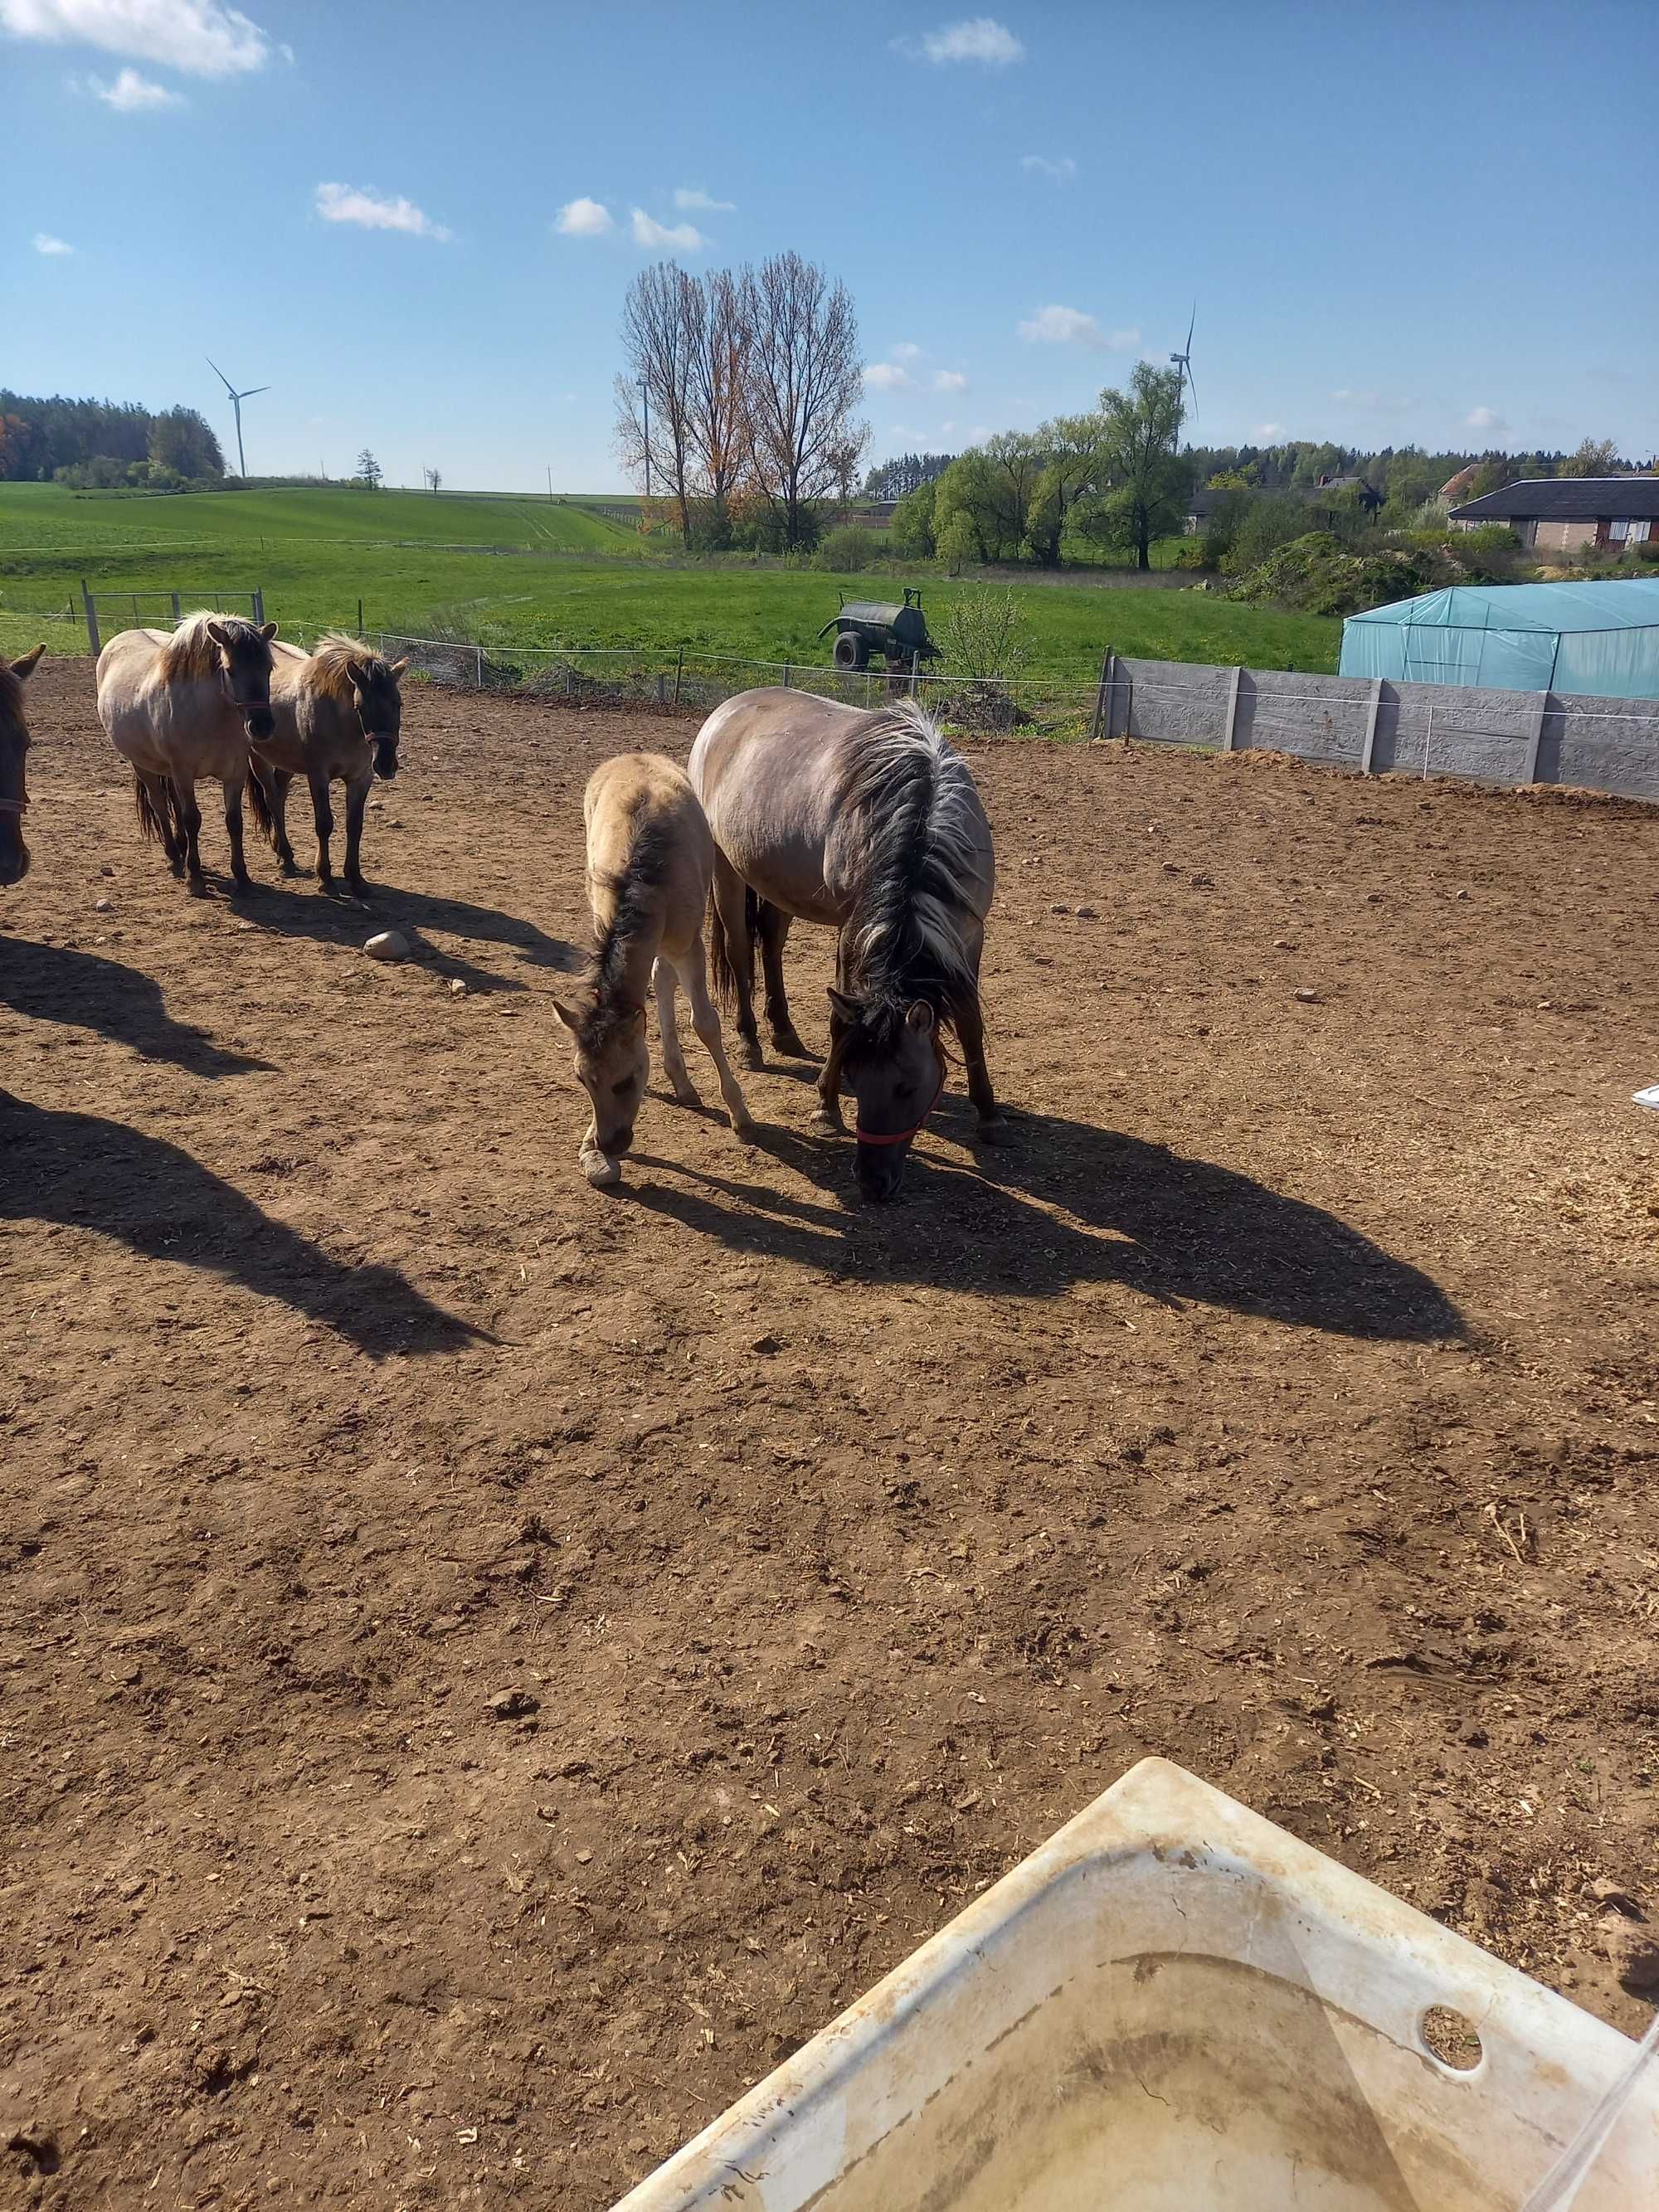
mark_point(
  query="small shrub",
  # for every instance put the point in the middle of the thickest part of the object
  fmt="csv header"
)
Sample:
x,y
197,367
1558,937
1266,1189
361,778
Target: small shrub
x,y
985,634
851,548
1191,553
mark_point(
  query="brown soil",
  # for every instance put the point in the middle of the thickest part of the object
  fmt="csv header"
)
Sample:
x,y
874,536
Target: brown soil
x,y
1280,1399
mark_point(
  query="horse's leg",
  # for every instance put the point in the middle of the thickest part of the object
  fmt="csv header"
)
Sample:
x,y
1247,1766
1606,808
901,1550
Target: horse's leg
x,y
357,801
234,786
274,782
664,982
969,1024
159,793
188,815
732,906
828,1119
324,816
706,1023
774,931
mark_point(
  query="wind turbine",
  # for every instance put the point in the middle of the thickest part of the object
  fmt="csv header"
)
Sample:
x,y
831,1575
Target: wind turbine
x,y
236,399
1183,362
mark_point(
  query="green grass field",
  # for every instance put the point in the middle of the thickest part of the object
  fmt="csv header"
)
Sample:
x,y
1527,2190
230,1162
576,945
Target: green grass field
x,y
535,571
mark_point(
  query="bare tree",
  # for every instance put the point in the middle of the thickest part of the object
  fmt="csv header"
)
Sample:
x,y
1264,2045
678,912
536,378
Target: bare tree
x,y
433,478
804,384
717,425
662,315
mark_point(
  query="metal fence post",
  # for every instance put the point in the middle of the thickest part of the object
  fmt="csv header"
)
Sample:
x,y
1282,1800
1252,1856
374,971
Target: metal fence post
x,y
1367,751
177,612
786,675
478,649
1229,738
92,620
915,668
1098,726
259,606
1534,736
679,670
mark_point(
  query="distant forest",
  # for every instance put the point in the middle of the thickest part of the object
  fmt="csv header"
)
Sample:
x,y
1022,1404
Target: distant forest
x,y
103,443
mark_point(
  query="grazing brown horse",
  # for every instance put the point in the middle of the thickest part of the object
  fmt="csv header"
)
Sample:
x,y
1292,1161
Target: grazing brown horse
x,y
14,746
868,822
650,864
338,715
182,705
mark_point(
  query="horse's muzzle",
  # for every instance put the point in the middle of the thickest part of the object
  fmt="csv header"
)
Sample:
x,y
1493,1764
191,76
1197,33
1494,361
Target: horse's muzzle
x,y
261,722
14,862
880,1168
386,761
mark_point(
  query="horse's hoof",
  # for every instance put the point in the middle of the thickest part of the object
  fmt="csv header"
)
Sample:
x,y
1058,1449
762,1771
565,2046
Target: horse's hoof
x,y
750,1054
746,1131
291,867
176,869
357,887
993,1132
786,1042
601,1172
826,1124
242,886
197,886
685,1096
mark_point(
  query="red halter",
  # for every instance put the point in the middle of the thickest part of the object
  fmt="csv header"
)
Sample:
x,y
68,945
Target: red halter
x,y
899,1136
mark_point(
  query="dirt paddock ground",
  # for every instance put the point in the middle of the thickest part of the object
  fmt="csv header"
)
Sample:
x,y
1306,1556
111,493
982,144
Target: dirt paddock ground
x,y
487,1667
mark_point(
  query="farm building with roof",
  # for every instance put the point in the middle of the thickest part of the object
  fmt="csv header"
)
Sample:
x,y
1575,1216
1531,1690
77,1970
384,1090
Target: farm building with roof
x,y
1599,639
1555,513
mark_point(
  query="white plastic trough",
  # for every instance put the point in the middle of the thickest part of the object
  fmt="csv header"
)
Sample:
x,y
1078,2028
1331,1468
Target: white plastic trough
x,y
1175,2007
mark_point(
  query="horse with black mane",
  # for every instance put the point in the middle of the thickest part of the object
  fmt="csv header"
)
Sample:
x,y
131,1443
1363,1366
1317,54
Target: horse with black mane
x,y
337,713
14,746
868,822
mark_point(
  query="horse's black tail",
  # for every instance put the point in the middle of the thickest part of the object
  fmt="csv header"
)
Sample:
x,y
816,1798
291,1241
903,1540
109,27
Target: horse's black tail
x,y
719,949
260,806
152,823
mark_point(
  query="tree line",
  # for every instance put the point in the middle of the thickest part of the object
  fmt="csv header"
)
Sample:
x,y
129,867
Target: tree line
x,y
103,442
737,406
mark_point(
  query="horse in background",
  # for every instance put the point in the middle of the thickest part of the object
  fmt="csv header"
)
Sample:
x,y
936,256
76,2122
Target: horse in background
x,y
182,705
866,822
14,746
650,868
338,714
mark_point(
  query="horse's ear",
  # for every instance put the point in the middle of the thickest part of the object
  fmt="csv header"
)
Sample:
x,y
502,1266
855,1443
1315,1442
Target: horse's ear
x,y
396,667
268,630
849,1009
23,669
219,634
919,1016
568,1015
359,672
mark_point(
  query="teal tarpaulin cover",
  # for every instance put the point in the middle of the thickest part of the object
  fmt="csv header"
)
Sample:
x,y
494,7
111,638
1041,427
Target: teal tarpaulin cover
x,y
1600,639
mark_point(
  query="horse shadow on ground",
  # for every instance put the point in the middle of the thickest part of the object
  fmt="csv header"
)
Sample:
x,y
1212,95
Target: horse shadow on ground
x,y
297,908
86,1172
1175,1230
59,983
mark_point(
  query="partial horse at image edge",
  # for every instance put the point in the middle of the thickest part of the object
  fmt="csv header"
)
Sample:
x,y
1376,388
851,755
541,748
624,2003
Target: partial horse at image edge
x,y
14,749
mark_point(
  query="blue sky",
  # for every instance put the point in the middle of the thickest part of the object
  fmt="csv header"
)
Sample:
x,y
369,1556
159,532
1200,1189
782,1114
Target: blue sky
x,y
1400,222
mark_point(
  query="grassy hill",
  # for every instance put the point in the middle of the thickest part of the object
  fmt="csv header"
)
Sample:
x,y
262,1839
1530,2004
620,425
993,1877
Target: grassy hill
x,y
539,571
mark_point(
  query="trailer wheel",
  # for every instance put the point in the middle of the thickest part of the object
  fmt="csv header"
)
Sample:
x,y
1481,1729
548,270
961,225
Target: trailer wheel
x,y
851,651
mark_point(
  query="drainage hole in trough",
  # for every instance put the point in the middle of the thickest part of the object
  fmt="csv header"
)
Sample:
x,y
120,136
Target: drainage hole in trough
x,y
1452,2039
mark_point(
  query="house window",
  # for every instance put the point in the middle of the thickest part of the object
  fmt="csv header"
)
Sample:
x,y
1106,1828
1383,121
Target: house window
x,y
1527,530
1618,529
1629,529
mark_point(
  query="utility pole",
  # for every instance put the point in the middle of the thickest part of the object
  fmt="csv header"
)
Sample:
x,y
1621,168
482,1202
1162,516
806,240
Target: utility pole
x,y
550,480
645,395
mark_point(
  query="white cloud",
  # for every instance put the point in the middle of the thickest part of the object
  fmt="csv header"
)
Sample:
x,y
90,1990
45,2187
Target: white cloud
x,y
979,39
949,379
692,201
344,203
201,37
1070,326
979,434
584,218
885,376
1061,172
132,94
1484,418
683,236
906,351
46,243
1264,434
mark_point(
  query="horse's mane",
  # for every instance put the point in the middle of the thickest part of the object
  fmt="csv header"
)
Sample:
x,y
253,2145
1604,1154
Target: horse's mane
x,y
912,799
649,858
190,652
328,669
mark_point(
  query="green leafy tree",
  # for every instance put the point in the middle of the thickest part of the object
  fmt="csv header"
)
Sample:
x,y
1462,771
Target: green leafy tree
x,y
1597,457
1147,481
1071,446
181,440
912,533
369,470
